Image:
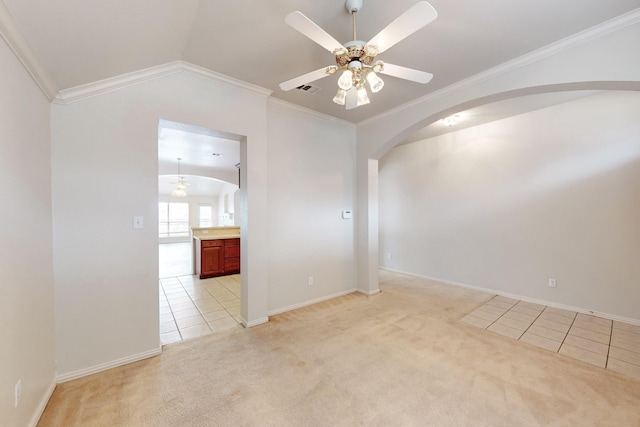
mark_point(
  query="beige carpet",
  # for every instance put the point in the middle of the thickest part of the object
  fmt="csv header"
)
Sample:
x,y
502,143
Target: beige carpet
x,y
401,358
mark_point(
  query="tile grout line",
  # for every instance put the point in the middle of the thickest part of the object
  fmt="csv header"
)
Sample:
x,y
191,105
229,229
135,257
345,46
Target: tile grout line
x,y
196,306
508,310
217,301
532,322
201,314
568,330
175,322
566,334
593,341
499,317
182,288
606,363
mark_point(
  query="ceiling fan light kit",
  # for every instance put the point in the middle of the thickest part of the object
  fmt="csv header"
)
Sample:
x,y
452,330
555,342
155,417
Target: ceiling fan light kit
x,y
357,59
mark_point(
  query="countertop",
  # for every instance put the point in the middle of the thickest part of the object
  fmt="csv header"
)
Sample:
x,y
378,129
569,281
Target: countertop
x,y
218,237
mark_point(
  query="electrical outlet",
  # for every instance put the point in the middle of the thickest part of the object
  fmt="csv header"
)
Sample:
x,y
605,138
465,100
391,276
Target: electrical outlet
x,y
310,280
17,393
552,283
389,257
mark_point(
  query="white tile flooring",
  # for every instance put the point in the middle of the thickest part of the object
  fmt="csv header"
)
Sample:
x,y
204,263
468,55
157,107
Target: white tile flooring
x,y
190,307
602,342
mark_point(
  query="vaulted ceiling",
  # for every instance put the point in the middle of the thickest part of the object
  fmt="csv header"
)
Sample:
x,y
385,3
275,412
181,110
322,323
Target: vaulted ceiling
x,y
82,41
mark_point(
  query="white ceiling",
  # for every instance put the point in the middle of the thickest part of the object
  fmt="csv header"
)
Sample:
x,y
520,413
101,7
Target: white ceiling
x,y
82,41
208,158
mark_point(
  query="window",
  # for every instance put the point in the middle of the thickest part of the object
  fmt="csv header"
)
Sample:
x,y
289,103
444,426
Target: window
x,y
173,219
205,216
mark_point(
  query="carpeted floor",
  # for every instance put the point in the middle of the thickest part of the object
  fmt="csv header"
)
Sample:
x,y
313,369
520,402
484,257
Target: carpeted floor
x,y
400,358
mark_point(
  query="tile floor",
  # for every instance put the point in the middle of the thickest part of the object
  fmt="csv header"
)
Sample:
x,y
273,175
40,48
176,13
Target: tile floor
x,y
602,342
175,259
190,307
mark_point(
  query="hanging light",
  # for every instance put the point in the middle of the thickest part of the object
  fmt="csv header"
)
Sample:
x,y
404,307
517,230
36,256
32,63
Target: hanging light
x,y
345,82
179,191
340,97
375,82
357,75
363,98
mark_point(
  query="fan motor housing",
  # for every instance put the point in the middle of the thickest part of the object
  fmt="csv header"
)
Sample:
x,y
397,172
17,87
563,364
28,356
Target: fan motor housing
x,y
356,50
353,5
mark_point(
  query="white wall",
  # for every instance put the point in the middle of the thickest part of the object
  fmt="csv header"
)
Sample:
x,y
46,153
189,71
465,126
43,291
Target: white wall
x,y
507,205
311,181
27,349
564,65
104,157
105,171
226,218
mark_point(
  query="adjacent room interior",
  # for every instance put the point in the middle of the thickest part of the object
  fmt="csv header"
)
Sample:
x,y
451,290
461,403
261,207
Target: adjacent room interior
x,y
198,195
452,239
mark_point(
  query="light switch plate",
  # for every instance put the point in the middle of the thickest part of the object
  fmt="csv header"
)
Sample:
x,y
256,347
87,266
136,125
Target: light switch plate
x,y
138,222
347,214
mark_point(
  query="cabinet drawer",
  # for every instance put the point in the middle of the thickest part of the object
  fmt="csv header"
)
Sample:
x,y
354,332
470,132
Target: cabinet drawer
x,y
231,242
210,243
231,251
231,264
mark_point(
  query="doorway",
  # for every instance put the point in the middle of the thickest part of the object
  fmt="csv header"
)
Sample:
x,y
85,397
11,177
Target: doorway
x,y
198,187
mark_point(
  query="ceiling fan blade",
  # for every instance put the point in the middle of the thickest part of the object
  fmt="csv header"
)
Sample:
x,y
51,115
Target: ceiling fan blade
x,y
308,78
310,29
352,99
406,24
406,73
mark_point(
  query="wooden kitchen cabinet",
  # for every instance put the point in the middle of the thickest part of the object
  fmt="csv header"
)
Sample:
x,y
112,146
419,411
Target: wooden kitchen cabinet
x,y
217,257
212,256
231,256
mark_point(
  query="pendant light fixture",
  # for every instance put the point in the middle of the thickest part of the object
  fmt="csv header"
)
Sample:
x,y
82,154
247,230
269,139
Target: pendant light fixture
x,y
179,191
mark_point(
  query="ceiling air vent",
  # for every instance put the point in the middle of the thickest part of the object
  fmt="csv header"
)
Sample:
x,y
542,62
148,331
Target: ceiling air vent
x,y
309,89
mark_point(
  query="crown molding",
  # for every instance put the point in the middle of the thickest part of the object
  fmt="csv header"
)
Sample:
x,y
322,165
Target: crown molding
x,y
77,93
618,23
310,112
23,51
74,94
205,72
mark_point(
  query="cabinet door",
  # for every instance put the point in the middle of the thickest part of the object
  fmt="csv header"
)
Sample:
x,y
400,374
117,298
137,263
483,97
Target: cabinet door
x,y
232,256
212,260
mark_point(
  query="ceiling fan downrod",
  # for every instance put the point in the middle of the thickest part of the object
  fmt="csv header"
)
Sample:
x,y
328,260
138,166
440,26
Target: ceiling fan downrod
x,y
353,7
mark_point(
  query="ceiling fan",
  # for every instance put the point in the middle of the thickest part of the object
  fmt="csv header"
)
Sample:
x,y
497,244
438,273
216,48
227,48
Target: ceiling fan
x,y
357,59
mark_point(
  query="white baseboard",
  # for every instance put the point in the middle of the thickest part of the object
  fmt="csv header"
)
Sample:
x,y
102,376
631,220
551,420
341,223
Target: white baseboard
x,y
311,302
253,323
43,403
113,364
524,298
368,293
